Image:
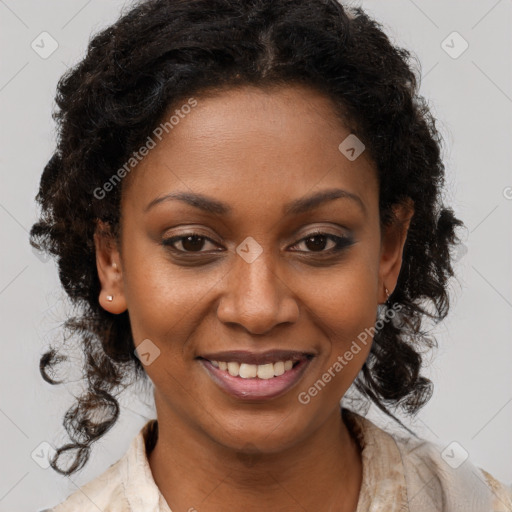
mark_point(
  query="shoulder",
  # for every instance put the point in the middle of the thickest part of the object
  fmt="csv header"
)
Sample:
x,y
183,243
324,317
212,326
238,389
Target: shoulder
x,y
104,493
446,477
127,485
502,493
433,477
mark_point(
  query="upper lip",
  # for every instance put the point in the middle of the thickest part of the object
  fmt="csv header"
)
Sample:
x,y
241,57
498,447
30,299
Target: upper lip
x,y
270,356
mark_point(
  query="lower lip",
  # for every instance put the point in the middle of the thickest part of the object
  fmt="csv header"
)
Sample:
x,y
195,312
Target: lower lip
x,y
255,388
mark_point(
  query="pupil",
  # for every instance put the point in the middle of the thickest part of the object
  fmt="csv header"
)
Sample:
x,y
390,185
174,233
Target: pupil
x,y
193,243
316,245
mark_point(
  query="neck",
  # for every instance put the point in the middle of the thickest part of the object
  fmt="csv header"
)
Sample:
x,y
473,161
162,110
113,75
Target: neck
x,y
322,472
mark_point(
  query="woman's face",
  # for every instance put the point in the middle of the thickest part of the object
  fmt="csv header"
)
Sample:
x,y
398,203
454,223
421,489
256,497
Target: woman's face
x,y
258,285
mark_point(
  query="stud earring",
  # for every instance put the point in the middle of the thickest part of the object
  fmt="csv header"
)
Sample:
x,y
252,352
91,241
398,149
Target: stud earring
x,y
110,298
114,265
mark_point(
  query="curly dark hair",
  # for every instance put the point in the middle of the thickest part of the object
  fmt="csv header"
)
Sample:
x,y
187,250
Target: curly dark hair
x,y
162,51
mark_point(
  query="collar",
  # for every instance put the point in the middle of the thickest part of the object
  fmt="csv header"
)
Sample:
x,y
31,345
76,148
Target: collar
x,y
383,485
139,486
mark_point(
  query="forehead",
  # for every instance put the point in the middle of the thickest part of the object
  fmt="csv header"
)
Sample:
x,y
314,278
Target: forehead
x,y
248,143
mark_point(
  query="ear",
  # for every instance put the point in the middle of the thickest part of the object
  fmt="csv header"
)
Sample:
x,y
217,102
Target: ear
x,y
392,245
108,263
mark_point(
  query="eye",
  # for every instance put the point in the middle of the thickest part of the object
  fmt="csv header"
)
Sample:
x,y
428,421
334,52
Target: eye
x,y
191,242
317,242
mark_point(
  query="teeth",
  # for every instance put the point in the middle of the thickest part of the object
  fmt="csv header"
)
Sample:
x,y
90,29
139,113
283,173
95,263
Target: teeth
x,y
278,368
265,371
251,371
233,369
248,371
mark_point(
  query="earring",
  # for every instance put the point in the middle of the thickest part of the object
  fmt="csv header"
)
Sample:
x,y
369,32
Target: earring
x,y
114,265
387,297
382,307
110,298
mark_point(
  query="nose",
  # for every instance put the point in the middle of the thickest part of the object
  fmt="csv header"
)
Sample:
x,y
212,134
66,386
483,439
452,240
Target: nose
x,y
256,297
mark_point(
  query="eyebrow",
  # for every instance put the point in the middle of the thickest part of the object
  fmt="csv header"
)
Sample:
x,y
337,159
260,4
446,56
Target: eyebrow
x,y
295,207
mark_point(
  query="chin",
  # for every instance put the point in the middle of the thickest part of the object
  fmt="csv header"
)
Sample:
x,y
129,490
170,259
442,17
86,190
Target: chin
x,y
271,434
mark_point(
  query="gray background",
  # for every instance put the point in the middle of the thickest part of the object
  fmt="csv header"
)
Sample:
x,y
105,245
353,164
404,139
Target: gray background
x,y
471,96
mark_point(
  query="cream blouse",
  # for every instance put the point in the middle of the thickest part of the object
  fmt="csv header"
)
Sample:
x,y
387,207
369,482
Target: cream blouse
x,y
400,474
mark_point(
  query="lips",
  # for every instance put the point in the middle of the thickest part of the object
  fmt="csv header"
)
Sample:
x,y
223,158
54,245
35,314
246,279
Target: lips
x,y
238,373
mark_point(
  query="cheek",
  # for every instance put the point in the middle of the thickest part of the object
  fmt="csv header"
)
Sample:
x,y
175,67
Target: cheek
x,y
348,353
345,307
355,318
343,298
162,299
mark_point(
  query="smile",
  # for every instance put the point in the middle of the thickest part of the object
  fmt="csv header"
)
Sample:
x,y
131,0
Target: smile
x,y
253,371
251,381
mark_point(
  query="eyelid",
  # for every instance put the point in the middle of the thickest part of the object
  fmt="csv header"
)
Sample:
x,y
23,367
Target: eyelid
x,y
319,231
177,238
340,242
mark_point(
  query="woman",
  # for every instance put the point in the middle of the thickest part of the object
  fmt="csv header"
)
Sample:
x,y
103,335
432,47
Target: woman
x,y
245,201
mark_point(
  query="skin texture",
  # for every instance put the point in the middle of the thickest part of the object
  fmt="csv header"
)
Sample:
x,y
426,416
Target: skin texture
x,y
256,151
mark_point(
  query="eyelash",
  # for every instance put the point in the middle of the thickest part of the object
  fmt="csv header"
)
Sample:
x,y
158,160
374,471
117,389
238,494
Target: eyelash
x,y
341,242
